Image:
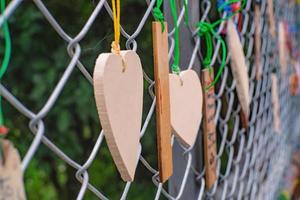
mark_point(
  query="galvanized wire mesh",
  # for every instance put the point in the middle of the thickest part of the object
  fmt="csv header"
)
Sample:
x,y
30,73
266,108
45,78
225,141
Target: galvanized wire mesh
x,y
254,158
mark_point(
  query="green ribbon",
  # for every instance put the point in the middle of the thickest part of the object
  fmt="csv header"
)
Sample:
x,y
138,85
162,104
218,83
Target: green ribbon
x,y
158,15
7,54
206,30
186,13
175,64
4,65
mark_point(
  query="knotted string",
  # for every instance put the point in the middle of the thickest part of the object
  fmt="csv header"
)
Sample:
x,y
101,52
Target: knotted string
x,y
158,15
207,30
115,45
230,12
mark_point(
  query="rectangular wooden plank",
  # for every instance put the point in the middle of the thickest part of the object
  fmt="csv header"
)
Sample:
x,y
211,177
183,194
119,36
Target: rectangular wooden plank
x,y
209,128
163,121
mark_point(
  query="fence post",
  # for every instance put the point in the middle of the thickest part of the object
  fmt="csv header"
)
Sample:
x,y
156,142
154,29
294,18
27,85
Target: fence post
x,y
187,45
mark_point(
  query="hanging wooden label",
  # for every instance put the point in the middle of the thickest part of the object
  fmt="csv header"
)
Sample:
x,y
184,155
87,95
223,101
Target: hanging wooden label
x,y
239,69
257,42
271,18
294,84
186,105
275,102
11,176
282,48
209,129
118,89
162,93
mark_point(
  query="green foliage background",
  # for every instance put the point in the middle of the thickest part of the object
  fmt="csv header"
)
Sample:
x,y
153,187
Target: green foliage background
x,y
39,58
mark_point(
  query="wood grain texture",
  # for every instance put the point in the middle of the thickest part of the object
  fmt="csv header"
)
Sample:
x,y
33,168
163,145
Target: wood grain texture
x,y
186,106
238,68
119,100
11,176
162,93
209,129
275,102
257,35
271,19
282,48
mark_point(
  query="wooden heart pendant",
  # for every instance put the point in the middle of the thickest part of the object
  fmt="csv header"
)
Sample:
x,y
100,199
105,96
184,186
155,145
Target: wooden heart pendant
x,y
238,67
118,89
186,101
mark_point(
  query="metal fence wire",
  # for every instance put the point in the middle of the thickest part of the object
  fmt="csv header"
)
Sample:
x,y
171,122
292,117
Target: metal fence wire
x,y
256,157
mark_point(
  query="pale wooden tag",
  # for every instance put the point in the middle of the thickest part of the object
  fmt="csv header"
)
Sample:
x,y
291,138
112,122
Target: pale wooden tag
x,y
162,93
11,176
271,18
209,129
275,102
282,48
118,89
257,42
238,68
186,106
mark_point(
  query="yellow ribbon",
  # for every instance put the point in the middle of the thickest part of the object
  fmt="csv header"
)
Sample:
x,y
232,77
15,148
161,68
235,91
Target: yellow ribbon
x,y
115,45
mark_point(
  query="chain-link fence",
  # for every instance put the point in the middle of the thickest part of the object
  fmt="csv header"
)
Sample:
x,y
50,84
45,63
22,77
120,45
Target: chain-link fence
x,y
249,161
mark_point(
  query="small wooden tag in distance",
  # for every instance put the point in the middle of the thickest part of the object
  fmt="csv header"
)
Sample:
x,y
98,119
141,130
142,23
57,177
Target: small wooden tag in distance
x,y
118,90
275,102
257,41
282,48
162,93
239,68
294,84
271,18
209,128
11,176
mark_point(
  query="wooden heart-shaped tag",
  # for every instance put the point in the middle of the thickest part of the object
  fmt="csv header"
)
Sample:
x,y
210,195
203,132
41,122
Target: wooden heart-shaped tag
x,y
186,101
118,89
11,176
238,67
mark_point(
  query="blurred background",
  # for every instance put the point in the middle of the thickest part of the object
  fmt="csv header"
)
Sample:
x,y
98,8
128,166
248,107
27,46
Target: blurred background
x,y
39,58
